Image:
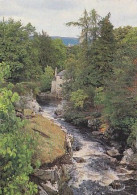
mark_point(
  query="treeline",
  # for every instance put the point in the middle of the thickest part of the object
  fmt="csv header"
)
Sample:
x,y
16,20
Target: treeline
x,y
28,53
27,62
101,78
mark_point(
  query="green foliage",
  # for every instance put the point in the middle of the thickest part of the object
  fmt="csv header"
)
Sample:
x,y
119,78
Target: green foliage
x,y
132,139
102,55
104,68
16,148
16,47
4,71
78,97
25,88
46,79
59,54
120,100
51,52
88,24
76,117
99,96
45,50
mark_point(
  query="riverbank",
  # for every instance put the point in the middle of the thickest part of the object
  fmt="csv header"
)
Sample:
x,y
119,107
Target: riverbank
x,y
53,152
94,171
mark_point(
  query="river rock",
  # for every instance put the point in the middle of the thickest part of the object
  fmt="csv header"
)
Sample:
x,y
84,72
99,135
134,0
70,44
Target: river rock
x,y
133,162
127,156
96,133
42,191
69,142
60,109
65,190
79,159
33,105
113,152
50,188
94,124
28,102
49,174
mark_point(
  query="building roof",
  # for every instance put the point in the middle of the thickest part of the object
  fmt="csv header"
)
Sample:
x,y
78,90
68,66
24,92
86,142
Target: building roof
x,y
62,73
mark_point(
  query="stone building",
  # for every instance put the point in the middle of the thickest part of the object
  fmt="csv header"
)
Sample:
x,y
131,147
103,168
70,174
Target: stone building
x,y
56,86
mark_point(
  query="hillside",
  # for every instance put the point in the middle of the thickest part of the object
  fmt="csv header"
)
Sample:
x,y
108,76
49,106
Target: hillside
x,y
67,40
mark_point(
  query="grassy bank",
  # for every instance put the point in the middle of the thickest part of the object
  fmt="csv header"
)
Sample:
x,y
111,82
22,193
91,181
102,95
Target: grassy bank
x,y
50,137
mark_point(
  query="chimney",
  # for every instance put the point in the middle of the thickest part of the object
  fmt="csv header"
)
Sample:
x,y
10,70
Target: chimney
x,y
56,71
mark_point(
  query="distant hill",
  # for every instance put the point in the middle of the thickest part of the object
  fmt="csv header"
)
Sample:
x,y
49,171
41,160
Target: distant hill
x,y
67,40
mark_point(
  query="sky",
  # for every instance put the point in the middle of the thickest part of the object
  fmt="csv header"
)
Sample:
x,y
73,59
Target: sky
x,y
52,15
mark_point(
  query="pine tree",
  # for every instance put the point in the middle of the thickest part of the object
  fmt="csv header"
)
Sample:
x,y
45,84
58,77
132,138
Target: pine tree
x,y
102,54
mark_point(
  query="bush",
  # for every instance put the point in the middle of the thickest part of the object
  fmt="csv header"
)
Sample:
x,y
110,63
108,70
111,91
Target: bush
x,y
46,79
25,88
16,149
76,117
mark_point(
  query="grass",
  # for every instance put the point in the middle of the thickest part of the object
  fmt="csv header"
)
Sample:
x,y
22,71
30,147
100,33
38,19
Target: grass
x,y
51,139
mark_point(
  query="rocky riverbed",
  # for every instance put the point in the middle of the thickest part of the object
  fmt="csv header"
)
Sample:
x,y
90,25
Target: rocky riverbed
x,y
95,168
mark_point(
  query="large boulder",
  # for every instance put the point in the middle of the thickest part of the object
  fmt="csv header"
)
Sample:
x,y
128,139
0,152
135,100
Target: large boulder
x,y
133,162
113,152
127,156
42,191
94,124
47,175
50,188
96,133
130,159
28,102
69,142
79,159
60,109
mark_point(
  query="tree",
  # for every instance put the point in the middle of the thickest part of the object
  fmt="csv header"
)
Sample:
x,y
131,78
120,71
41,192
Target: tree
x,y
78,97
15,48
59,54
46,51
102,54
16,146
83,23
119,97
47,78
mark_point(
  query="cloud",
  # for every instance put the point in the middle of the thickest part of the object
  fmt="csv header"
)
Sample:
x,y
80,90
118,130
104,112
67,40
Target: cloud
x,y
61,5
51,15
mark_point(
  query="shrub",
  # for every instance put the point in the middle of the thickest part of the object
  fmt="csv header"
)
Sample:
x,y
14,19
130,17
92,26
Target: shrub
x,y
46,79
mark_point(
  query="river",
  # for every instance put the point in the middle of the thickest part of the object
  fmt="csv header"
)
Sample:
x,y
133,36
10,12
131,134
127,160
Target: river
x,y
93,172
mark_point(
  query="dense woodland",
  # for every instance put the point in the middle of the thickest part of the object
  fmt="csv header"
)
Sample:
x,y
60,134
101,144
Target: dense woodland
x,y
100,85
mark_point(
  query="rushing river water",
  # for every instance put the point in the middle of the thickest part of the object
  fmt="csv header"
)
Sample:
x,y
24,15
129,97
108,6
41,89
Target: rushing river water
x,y
93,171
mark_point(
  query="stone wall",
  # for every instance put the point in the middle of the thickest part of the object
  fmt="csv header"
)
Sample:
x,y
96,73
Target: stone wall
x,y
56,87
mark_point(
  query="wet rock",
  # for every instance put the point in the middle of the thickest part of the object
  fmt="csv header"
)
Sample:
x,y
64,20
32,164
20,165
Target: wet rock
x,y
94,124
77,148
49,174
113,160
79,159
50,188
133,162
60,109
58,112
42,191
69,142
127,156
45,96
113,152
96,133
28,102
116,186
65,190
